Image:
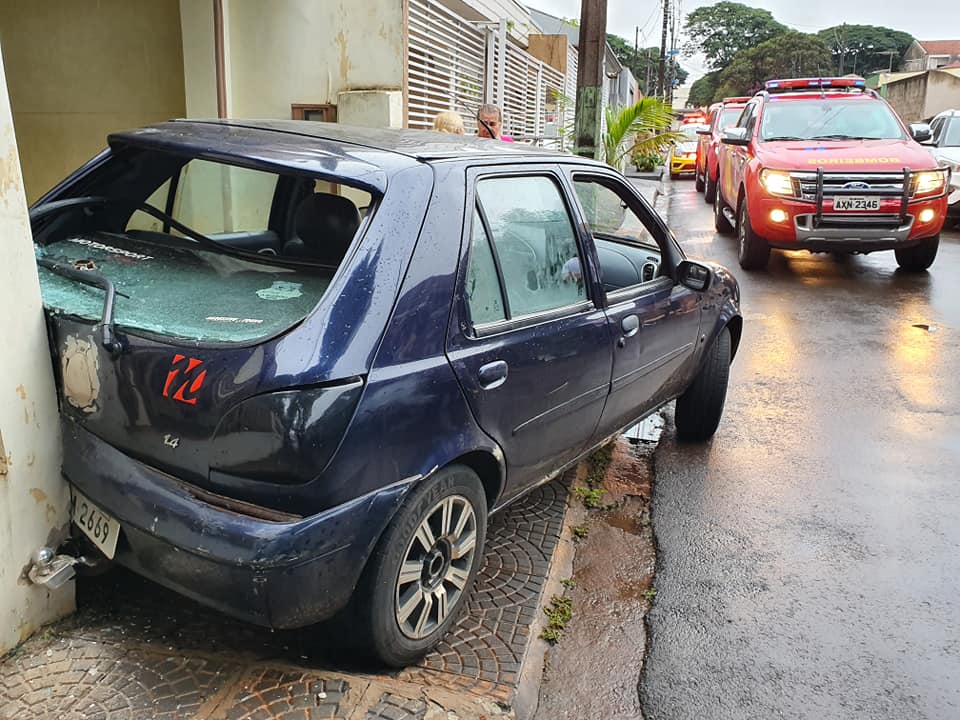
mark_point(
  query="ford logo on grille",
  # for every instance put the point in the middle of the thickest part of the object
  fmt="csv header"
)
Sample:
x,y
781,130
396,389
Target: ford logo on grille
x,y
856,185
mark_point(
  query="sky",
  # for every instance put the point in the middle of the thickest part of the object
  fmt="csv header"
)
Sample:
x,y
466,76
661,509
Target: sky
x,y
926,20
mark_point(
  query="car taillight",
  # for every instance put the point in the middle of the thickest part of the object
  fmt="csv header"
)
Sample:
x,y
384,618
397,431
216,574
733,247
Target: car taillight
x,y
283,437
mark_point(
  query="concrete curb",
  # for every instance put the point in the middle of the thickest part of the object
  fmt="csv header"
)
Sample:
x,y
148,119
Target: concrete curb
x,y
655,175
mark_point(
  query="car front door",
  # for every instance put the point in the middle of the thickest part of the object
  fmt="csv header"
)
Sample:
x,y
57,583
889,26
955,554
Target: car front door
x,y
528,343
735,158
654,322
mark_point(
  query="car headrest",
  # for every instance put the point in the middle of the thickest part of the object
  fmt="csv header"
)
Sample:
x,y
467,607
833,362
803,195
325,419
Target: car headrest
x,y
326,224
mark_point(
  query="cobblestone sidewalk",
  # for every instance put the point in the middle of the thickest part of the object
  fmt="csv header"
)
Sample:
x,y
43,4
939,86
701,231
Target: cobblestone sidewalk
x,y
135,650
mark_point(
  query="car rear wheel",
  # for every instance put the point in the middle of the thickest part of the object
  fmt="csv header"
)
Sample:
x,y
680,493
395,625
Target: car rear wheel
x,y
919,257
699,409
710,189
753,250
422,570
720,221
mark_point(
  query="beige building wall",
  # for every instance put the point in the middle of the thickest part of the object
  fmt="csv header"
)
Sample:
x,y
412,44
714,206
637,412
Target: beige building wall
x,y
79,69
33,496
291,51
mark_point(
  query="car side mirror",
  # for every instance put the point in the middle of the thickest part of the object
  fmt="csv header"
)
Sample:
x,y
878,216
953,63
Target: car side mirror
x,y
920,132
694,275
703,132
735,136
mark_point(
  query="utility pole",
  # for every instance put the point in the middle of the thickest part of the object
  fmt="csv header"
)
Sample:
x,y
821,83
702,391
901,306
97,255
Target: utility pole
x,y
843,46
661,87
593,28
673,57
636,48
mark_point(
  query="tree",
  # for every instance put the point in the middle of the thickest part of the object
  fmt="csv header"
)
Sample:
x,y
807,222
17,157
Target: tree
x,y
704,89
643,127
864,49
792,54
720,30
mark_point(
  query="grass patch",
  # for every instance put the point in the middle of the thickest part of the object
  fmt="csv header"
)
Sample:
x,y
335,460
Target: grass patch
x,y
580,532
591,498
568,583
650,594
559,613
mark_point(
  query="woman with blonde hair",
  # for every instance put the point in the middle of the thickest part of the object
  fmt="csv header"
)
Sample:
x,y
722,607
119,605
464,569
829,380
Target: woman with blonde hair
x,y
448,122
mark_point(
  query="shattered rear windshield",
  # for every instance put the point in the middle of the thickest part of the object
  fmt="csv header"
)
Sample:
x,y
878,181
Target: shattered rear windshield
x,y
268,249
186,292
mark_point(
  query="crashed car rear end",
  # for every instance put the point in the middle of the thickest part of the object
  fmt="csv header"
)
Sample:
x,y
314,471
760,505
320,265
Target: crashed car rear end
x,y
204,427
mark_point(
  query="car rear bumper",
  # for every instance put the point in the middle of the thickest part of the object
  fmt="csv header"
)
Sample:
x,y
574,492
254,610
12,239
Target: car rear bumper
x,y
281,574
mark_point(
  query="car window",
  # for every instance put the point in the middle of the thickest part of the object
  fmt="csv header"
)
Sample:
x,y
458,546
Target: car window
x,y
951,135
626,247
214,198
534,241
483,287
729,117
935,129
746,117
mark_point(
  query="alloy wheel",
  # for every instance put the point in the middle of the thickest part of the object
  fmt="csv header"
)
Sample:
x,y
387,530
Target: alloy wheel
x,y
436,567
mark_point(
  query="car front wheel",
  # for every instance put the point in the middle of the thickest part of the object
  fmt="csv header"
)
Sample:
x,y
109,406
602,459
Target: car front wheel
x,y
699,409
423,568
699,182
754,251
919,257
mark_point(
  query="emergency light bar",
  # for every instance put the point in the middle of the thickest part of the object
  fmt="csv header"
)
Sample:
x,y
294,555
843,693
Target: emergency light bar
x,y
741,99
795,84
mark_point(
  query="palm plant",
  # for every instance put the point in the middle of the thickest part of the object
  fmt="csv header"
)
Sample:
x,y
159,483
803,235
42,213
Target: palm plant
x,y
642,128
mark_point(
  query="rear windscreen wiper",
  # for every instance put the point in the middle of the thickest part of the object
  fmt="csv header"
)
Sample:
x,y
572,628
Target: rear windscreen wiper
x,y
92,277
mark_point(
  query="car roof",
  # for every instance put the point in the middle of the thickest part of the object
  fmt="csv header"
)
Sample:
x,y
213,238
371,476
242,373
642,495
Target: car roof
x,y
947,113
365,154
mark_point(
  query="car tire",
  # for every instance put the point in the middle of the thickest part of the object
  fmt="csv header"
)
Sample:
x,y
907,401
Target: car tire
x,y
699,409
919,257
674,176
699,182
392,624
710,189
752,250
720,221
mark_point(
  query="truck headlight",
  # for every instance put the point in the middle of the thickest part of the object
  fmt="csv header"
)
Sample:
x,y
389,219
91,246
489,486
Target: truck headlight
x,y
777,182
929,182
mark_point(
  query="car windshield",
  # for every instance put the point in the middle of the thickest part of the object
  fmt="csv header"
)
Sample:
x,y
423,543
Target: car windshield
x,y
828,119
215,252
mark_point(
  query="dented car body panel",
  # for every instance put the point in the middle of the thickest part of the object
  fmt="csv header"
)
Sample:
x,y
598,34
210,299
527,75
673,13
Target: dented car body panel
x,y
254,467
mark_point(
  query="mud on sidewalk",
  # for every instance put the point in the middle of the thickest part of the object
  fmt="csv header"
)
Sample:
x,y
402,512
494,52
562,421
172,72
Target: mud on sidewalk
x,y
593,670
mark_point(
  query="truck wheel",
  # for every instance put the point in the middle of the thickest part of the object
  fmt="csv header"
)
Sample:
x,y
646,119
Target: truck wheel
x,y
699,409
720,221
754,251
919,257
710,189
422,570
699,182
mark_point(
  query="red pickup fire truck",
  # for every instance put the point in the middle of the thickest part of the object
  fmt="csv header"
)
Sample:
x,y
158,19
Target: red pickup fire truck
x,y
825,165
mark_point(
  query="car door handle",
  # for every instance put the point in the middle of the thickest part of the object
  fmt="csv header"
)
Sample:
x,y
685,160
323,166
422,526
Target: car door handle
x,y
629,325
493,375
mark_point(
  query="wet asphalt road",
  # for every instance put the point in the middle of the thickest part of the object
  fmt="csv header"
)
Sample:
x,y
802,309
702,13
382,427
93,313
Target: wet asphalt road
x,y
809,556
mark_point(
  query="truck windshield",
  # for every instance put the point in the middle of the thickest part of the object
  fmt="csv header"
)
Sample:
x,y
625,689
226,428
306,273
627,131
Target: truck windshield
x,y
829,119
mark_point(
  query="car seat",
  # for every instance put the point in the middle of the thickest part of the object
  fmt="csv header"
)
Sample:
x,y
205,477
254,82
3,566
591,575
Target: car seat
x,y
324,226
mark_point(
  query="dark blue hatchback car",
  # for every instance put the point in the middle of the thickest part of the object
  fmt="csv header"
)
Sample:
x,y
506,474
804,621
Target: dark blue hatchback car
x,y
301,363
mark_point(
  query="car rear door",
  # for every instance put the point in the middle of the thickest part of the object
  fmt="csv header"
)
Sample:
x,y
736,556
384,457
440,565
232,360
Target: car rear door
x,y
528,342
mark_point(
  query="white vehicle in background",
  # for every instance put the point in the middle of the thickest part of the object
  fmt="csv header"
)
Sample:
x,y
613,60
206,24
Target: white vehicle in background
x,y
945,147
